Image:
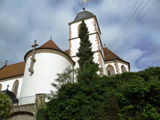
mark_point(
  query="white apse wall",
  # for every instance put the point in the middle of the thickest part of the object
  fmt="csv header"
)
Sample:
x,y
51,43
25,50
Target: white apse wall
x,y
45,68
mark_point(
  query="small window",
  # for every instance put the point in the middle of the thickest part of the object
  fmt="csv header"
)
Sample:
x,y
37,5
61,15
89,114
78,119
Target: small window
x,y
110,70
15,87
0,87
123,69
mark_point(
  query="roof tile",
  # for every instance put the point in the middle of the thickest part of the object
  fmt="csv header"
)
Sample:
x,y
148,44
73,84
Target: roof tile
x,y
12,70
67,51
109,55
50,44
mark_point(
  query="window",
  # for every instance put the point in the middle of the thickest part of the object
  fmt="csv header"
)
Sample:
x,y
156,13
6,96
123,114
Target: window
x,y
123,69
0,87
110,70
15,87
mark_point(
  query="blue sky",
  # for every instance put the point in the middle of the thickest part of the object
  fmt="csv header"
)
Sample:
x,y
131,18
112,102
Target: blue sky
x,y
23,21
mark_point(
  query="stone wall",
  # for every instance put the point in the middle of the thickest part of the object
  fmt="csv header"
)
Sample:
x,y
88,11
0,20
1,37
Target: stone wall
x,y
23,112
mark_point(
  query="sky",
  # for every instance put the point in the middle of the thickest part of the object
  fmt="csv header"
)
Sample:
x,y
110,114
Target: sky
x,y
23,21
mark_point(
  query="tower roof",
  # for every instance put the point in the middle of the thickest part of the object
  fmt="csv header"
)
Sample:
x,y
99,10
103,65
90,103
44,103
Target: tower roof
x,y
82,15
109,55
50,44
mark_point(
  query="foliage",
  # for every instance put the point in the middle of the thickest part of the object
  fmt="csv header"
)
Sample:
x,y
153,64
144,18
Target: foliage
x,y
5,105
87,67
133,96
63,78
85,53
128,96
139,94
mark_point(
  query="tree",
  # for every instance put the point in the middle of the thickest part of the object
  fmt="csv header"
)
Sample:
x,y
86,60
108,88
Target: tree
x,y
85,53
63,78
5,105
134,96
87,67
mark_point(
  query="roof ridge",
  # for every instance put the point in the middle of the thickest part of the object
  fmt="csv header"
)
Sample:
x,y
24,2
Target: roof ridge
x,y
15,63
3,67
50,44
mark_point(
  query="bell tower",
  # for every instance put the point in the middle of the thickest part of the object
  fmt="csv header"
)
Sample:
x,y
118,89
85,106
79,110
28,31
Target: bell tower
x,y
94,37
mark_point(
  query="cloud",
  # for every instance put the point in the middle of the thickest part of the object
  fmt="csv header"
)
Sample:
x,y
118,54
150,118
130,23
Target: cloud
x,y
22,22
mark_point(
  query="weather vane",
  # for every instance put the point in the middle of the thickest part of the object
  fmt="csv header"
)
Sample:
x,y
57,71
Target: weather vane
x,y
83,4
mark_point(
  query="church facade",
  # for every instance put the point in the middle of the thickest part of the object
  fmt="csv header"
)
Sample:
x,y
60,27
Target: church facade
x,y
33,77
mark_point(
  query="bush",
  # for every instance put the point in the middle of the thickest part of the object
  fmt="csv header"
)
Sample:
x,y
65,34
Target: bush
x,y
5,105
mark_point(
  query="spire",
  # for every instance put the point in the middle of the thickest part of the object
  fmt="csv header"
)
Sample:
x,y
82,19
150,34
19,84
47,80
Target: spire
x,y
6,62
50,37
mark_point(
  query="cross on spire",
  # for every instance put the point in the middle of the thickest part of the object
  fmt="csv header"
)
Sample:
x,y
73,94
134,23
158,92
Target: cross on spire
x,y
6,62
33,57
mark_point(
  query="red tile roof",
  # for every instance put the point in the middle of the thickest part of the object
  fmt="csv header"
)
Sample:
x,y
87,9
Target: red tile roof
x,y
12,70
109,55
50,44
67,51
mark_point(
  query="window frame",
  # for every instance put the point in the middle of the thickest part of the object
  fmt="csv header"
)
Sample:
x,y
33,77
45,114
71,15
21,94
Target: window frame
x,y
15,87
123,68
110,70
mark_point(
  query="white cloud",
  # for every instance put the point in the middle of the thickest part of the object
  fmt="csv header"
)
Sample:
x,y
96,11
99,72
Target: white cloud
x,y
21,22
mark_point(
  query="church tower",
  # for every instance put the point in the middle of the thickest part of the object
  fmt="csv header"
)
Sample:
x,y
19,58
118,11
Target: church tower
x,y
94,37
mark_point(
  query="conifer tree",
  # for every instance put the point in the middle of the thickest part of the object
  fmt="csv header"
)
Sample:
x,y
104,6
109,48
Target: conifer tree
x,y
85,53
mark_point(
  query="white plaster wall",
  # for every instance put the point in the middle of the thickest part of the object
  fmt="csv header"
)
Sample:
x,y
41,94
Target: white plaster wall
x,y
103,64
10,83
126,66
93,40
90,25
75,59
45,68
97,28
74,46
101,47
96,58
74,27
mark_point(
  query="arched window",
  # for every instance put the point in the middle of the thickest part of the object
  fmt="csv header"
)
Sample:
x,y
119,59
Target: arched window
x,y
0,87
123,69
15,87
110,70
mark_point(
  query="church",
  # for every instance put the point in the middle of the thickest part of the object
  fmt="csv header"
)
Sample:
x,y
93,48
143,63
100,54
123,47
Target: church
x,y
27,80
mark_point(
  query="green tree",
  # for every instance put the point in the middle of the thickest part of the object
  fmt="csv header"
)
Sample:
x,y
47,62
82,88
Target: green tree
x,y
5,105
85,53
62,78
134,96
87,67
